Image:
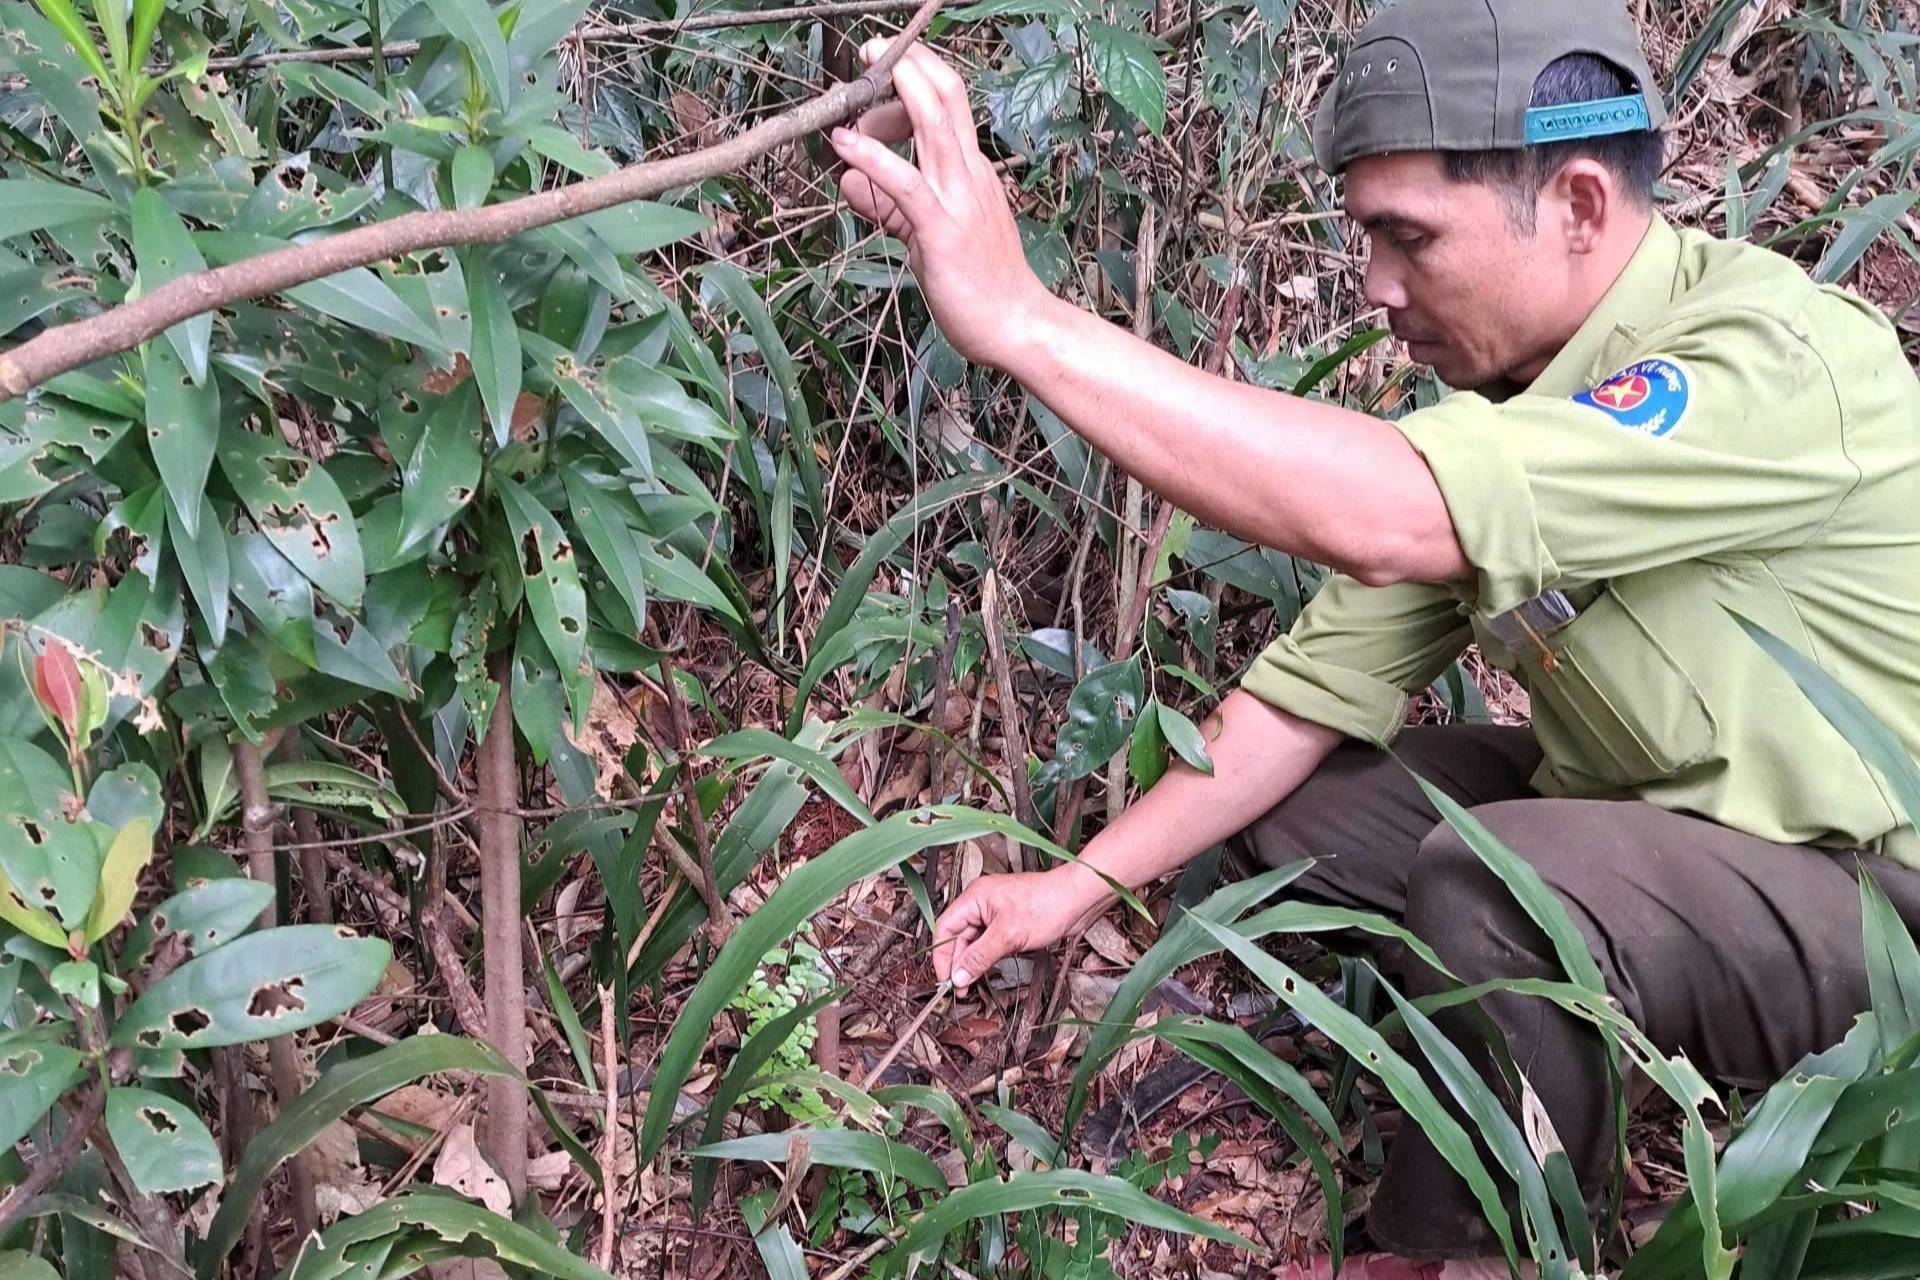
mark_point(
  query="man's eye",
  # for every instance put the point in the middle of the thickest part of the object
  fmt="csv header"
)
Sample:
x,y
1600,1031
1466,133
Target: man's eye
x,y
1409,241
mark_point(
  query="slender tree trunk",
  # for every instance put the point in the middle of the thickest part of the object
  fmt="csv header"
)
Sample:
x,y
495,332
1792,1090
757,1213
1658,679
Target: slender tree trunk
x,y
256,824
313,859
498,801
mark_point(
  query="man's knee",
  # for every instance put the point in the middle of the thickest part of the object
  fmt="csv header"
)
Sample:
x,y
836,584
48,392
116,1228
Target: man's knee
x,y
1457,905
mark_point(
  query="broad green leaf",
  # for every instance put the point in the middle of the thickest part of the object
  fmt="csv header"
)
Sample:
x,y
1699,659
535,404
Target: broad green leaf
x,y
804,892
1184,736
300,509
601,519
735,287
166,1146
1147,753
17,1264
356,296
1100,718
256,987
1765,1159
539,698
165,251
753,744
439,480
126,858
672,576
29,204
77,980
183,429
278,596
204,563
575,239
142,516
202,918
779,1251
545,555
1858,231
51,861
32,1076
339,1089
496,345
641,226
1066,1189
1399,1076
476,25
323,784
472,176
130,793
838,1149
1130,70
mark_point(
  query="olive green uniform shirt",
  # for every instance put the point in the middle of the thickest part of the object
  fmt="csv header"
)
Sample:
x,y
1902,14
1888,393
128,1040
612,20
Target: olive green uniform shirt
x,y
1721,434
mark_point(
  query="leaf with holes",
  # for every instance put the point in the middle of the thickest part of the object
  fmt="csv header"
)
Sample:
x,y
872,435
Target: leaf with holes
x,y
554,594
28,205
426,1221
1100,718
278,596
166,1146
672,576
438,480
1130,70
183,430
539,699
32,1075
165,251
202,918
259,986
300,509
52,861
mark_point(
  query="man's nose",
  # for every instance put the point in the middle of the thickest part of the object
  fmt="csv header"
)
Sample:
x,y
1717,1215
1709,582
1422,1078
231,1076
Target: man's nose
x,y
1384,287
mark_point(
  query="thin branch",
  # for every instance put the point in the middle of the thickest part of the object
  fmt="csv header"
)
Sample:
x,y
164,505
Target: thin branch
x,y
610,1135
71,346
719,914
1011,729
48,1168
497,792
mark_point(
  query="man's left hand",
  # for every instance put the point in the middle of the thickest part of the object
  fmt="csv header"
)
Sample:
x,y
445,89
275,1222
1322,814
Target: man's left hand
x,y
950,208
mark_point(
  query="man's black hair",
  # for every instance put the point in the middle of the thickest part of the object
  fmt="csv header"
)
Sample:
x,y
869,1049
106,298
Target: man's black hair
x,y
1519,176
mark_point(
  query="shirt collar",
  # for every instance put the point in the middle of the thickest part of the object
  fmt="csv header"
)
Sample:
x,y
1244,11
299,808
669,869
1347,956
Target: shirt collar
x,y
1641,294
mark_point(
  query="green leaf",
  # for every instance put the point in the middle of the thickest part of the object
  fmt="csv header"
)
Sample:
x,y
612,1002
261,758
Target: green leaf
x,y
339,1089
28,205
278,596
779,1251
16,1264
126,858
165,1145
1184,736
476,25
1130,70
1147,756
202,918
496,345
837,1149
539,699
319,783
204,564
641,226
165,251
1100,718
32,1076
300,509
1378,1058
439,480
52,862
804,892
672,576
1858,231
754,744
601,518
356,296
1893,967
422,1216
143,517
472,176
77,980
780,367
257,987
1068,1189
183,429
545,556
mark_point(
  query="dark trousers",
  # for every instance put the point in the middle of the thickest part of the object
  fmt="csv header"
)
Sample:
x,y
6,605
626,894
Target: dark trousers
x,y
1743,954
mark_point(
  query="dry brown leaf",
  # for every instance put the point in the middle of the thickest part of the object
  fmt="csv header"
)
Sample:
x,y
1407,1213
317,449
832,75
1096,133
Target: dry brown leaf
x,y
466,1269
340,1185
461,1168
608,736
417,1104
549,1172
1110,944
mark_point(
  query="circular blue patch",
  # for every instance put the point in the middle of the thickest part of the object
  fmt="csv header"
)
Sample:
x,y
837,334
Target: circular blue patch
x,y
1651,396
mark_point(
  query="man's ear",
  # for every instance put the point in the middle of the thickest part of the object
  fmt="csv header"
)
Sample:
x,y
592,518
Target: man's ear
x,y
1586,198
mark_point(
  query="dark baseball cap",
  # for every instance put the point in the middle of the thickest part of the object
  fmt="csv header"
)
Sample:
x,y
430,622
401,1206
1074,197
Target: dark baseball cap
x,y
1458,75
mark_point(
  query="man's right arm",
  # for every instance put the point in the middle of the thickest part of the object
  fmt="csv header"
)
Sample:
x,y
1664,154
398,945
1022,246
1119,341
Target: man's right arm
x,y
1260,755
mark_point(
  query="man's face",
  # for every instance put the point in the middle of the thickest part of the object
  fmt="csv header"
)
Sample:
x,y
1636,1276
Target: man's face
x,y
1468,294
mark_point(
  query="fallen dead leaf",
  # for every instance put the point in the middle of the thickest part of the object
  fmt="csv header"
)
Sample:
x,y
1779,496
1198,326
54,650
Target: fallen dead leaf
x,y
461,1168
548,1172
417,1104
1110,944
608,736
341,1186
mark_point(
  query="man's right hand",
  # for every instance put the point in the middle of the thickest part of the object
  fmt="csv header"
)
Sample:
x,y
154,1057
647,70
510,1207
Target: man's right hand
x,y
1000,916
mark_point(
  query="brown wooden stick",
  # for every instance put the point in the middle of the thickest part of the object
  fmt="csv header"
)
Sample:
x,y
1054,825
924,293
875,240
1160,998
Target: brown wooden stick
x,y
256,826
497,785
702,877
48,1168
70,346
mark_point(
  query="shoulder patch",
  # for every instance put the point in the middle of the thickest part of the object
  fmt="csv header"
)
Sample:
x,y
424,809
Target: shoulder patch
x,y
1651,397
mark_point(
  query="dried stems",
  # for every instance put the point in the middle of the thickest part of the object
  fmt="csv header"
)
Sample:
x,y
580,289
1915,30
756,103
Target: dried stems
x,y
497,795
70,346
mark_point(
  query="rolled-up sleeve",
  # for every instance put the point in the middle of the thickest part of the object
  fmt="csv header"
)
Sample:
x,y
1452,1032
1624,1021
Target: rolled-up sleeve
x,y
1357,653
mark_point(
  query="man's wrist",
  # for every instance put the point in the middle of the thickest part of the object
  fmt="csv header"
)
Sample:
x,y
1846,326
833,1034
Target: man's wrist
x,y
1086,887
1029,334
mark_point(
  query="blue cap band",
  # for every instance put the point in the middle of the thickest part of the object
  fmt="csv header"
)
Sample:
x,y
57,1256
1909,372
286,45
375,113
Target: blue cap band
x,y
1588,120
